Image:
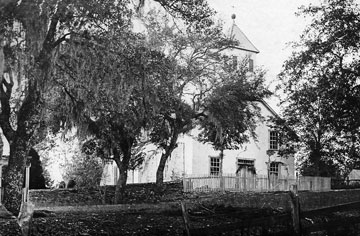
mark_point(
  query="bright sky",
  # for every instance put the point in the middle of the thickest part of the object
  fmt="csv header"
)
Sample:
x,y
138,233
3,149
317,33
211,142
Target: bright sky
x,y
270,25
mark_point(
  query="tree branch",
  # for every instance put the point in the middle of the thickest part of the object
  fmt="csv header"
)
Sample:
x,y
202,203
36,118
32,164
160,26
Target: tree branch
x,y
60,40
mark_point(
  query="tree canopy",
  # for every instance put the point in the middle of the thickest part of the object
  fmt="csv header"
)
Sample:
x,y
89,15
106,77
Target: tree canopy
x,y
321,86
79,63
46,39
202,77
199,68
231,111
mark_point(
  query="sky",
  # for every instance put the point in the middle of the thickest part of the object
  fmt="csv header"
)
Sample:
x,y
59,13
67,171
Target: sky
x,y
270,25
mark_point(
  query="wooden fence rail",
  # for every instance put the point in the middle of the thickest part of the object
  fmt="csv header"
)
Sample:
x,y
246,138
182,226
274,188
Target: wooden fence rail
x,y
335,220
254,183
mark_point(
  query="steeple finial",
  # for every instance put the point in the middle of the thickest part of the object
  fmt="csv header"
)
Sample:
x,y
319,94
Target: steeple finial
x,y
233,16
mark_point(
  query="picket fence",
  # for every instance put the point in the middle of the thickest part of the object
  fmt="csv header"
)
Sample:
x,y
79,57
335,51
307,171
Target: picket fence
x,y
259,183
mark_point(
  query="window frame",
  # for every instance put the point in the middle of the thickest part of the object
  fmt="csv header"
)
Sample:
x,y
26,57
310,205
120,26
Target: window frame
x,y
275,168
245,161
273,140
212,168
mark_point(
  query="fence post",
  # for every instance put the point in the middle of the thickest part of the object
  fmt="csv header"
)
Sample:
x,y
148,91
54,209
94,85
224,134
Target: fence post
x,y
295,209
184,183
254,182
298,182
237,183
185,218
222,183
27,180
245,187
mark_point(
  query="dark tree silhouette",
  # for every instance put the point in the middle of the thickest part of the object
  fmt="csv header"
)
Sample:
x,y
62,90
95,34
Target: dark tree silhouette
x,y
320,82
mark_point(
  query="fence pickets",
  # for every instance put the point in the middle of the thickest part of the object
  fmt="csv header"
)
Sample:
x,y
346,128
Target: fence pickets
x,y
258,183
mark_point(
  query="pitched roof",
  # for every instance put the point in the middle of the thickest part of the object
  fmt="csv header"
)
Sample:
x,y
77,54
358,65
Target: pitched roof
x,y
244,42
267,106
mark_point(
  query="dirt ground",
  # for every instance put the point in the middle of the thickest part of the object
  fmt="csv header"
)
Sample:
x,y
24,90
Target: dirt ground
x,y
144,214
132,222
97,223
209,220
107,223
143,222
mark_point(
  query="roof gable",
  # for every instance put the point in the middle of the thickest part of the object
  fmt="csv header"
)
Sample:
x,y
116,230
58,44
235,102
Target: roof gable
x,y
244,42
267,106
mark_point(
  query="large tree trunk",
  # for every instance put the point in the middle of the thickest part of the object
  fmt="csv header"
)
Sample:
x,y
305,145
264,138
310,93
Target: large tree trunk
x,y
14,175
29,115
20,144
315,157
160,169
123,165
27,132
164,157
221,161
120,185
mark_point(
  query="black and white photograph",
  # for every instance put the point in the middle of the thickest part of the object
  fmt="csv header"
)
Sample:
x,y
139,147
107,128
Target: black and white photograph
x,y
179,117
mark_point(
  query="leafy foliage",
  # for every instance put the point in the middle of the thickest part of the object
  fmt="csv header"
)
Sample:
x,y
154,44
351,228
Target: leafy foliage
x,y
85,170
320,81
98,147
30,55
205,86
84,54
196,53
114,87
231,111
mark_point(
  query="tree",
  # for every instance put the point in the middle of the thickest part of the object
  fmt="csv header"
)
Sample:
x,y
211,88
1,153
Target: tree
x,y
172,122
44,28
321,90
117,114
196,53
116,118
231,112
19,130
192,12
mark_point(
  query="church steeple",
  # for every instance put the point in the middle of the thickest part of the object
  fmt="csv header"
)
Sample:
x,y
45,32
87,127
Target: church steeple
x,y
244,43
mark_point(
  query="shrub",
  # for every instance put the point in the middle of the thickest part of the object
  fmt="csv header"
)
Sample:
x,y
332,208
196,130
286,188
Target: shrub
x,y
85,171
